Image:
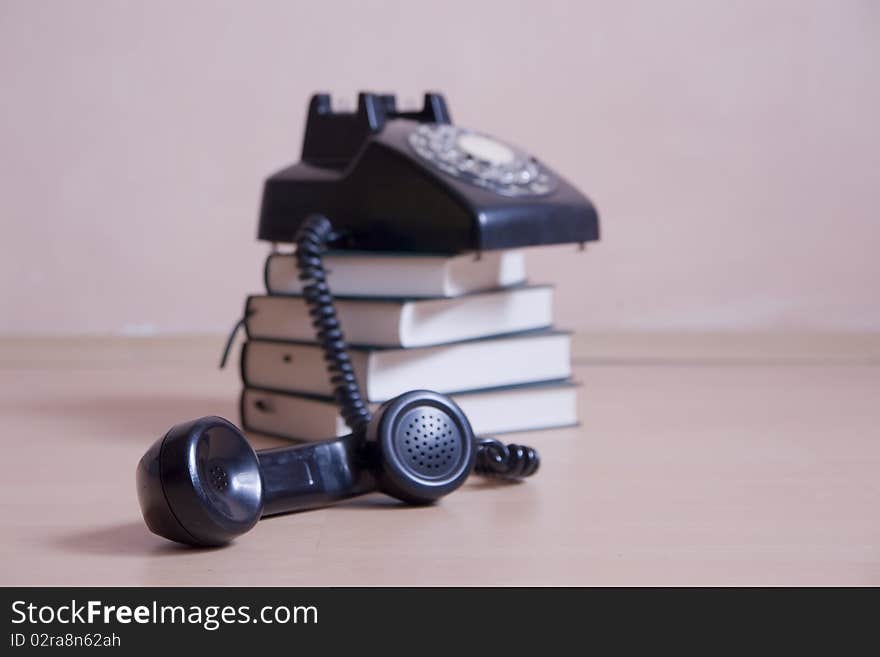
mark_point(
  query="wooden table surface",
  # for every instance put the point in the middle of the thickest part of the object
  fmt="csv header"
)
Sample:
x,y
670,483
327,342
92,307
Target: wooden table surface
x,y
701,460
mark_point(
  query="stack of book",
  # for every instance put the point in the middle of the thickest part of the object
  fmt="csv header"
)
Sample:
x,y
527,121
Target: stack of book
x,y
468,327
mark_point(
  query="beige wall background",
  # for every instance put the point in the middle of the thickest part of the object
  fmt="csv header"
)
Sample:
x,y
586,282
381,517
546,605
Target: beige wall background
x,y
732,148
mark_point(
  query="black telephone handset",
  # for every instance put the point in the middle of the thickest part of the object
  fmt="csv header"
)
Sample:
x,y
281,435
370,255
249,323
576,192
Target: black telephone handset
x,y
391,181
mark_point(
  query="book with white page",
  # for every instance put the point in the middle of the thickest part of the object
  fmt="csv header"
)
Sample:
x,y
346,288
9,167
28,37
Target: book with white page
x,y
383,373
364,274
498,410
407,322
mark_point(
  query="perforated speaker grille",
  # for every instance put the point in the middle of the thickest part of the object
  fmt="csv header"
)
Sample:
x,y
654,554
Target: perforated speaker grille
x,y
429,442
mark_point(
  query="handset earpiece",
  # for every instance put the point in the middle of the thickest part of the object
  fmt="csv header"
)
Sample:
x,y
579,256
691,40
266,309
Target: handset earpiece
x,y
202,483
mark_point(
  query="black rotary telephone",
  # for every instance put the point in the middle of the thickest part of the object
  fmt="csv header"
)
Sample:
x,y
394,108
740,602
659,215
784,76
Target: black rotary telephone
x,y
389,181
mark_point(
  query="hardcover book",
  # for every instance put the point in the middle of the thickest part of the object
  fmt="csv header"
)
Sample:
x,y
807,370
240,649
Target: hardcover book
x,y
383,373
493,411
407,322
361,274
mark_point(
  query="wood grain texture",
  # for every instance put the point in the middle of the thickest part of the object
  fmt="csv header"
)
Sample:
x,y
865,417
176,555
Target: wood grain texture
x,y
701,460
